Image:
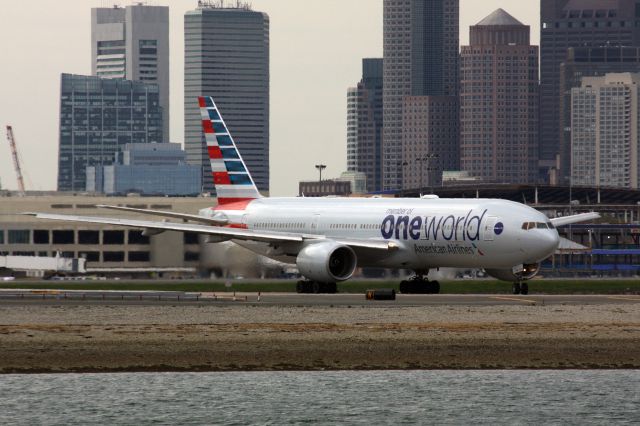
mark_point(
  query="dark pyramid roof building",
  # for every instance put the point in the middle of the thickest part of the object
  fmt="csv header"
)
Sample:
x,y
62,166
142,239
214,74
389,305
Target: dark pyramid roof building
x,y
499,17
499,28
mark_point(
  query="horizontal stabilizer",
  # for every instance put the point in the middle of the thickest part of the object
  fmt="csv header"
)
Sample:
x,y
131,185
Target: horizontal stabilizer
x,y
184,216
567,245
577,218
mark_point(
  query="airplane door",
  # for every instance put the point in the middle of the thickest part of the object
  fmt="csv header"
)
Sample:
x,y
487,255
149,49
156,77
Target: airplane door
x,y
315,224
488,232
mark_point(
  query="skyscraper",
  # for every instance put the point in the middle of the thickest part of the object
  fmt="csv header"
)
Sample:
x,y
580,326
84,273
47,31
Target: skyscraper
x,y
227,57
364,125
133,43
420,59
605,129
575,23
499,101
587,62
98,117
430,134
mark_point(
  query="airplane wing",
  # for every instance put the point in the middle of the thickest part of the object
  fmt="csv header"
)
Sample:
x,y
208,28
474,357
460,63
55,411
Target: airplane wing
x,y
184,216
230,233
577,218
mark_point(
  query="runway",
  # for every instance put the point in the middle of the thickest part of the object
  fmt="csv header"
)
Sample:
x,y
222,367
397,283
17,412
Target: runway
x,y
66,297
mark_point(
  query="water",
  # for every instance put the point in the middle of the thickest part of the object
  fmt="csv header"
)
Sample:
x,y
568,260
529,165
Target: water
x,y
343,397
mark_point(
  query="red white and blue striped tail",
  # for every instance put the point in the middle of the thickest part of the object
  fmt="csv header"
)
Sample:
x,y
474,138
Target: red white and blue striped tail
x,y
231,177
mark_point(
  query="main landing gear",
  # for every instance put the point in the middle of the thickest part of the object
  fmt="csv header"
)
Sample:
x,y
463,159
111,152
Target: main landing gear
x,y
520,288
419,285
316,287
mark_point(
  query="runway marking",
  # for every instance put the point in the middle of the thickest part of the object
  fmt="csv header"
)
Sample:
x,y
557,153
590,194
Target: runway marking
x,y
628,299
513,299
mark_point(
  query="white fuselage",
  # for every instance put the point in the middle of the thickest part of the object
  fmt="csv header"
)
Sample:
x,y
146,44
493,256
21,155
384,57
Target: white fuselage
x,y
429,232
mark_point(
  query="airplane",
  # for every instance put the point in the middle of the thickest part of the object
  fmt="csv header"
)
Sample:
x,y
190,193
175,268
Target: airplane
x,y
329,238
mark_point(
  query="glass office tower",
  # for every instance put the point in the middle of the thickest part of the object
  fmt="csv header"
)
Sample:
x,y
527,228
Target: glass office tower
x,y
97,118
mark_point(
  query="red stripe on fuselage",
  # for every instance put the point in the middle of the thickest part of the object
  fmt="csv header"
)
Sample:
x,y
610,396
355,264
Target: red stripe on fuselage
x,y
237,226
233,203
202,102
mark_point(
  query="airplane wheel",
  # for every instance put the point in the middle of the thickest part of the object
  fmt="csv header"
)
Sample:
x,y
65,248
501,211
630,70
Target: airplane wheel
x,y
524,288
300,287
435,287
332,288
516,288
404,287
316,287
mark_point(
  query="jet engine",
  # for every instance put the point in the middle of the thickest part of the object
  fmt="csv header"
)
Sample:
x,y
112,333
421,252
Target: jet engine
x,y
327,262
527,272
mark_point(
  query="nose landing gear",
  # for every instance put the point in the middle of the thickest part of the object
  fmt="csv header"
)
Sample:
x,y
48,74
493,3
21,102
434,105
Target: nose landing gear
x,y
315,287
419,285
520,288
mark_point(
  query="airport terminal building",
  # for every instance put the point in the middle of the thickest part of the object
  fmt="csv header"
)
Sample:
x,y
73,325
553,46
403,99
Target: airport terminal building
x,y
108,249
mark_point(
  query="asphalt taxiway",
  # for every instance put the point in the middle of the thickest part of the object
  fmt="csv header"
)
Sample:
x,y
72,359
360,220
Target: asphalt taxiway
x,y
55,297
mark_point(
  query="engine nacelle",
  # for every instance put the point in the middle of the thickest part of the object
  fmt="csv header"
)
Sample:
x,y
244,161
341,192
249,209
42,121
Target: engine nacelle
x,y
327,262
513,275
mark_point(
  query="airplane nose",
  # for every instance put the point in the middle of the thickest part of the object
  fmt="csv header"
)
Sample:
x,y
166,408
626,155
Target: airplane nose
x,y
552,241
543,245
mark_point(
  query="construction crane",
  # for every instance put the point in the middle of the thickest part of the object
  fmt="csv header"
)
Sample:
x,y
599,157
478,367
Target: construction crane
x,y
16,160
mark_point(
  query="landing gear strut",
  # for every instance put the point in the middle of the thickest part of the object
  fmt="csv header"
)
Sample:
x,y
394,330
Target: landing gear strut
x,y
520,288
316,287
419,285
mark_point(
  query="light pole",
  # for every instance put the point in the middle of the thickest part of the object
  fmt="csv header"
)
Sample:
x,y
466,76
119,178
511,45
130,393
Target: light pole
x,y
422,160
402,164
431,169
320,168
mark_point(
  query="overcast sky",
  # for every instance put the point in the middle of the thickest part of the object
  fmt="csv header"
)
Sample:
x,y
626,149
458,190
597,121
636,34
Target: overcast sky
x,y
316,51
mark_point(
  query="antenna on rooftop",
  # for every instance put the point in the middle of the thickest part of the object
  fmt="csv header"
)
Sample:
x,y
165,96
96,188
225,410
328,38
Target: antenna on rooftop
x,y
221,4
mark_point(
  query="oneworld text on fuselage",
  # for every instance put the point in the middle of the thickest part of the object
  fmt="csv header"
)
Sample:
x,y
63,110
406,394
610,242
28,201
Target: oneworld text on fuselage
x,y
435,227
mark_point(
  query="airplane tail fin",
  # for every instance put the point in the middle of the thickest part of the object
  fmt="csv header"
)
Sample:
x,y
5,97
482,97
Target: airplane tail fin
x,y
231,177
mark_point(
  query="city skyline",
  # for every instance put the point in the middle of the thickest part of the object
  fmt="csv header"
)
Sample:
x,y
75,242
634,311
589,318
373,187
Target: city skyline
x,y
315,56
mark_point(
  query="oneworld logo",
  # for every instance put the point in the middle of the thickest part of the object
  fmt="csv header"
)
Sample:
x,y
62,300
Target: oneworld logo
x,y
447,228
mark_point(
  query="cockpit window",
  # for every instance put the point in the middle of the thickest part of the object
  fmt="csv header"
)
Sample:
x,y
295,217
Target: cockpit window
x,y
537,225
